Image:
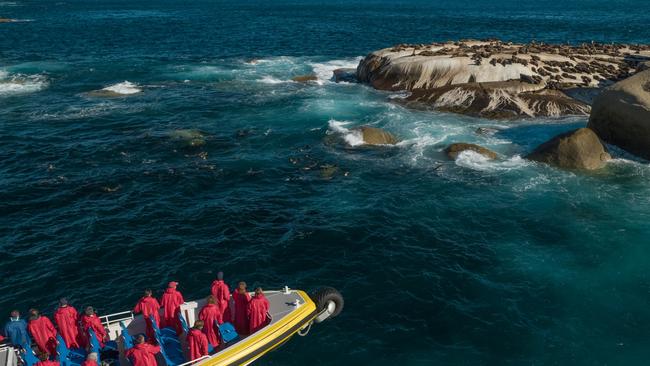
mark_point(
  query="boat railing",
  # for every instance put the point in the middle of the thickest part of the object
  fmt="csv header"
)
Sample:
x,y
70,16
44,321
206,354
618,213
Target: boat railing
x,y
116,317
194,361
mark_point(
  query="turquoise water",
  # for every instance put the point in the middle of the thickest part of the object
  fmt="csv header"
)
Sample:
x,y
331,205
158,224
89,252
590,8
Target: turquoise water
x,y
463,262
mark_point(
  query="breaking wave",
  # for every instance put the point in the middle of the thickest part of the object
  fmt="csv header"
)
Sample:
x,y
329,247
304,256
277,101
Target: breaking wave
x,y
351,137
473,160
14,84
124,88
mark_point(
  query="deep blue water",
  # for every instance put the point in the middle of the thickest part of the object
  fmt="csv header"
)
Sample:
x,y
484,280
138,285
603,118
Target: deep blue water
x,y
220,163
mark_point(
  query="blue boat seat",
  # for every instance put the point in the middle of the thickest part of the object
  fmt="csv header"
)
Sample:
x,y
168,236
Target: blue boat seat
x,y
28,356
127,340
94,344
186,329
227,332
170,346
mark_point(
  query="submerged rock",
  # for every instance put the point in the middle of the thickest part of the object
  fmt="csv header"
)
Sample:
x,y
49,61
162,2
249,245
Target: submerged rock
x,y
455,149
621,114
189,137
7,20
345,75
304,78
376,136
496,79
117,90
577,149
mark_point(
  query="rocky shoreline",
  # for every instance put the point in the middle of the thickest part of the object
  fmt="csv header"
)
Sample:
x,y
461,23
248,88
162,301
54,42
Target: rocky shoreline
x,y
495,79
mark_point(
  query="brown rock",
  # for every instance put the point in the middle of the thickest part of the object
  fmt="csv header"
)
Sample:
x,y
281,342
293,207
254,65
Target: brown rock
x,y
577,149
304,78
376,136
621,114
454,150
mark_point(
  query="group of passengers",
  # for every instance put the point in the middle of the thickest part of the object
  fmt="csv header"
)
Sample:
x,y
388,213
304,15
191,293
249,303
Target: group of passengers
x,y
247,314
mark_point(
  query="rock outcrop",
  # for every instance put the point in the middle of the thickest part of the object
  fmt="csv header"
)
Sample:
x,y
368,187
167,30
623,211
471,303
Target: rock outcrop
x,y
577,149
376,136
454,150
345,75
497,79
621,114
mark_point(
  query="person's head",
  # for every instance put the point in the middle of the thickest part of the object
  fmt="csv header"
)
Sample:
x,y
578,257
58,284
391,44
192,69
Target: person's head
x,y
198,324
220,276
33,314
172,284
258,291
63,302
148,292
241,287
15,315
43,356
89,310
92,356
211,300
139,339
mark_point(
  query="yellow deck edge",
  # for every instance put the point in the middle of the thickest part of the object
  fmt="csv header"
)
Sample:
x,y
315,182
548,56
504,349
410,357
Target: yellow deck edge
x,y
238,353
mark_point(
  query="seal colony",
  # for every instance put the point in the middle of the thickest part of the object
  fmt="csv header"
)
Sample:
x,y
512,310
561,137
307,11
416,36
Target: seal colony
x,y
495,79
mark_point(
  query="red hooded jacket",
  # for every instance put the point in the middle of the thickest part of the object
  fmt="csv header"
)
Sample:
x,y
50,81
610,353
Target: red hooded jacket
x,y
210,314
241,321
44,334
221,293
258,307
143,354
171,300
93,322
66,318
197,344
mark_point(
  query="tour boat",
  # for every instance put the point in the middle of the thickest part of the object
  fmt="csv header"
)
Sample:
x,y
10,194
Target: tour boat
x,y
291,312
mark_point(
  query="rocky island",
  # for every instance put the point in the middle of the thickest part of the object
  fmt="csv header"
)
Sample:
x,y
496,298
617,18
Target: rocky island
x,y
495,79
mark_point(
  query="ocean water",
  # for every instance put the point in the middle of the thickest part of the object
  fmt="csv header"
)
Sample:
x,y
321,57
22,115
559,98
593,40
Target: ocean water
x,y
213,159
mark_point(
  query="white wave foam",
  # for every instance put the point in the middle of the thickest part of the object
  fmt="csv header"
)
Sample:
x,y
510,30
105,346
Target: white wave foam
x,y
351,137
20,84
271,80
125,88
400,95
473,160
325,70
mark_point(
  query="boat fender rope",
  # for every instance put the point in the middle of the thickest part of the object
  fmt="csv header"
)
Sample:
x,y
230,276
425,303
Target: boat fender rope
x,y
304,331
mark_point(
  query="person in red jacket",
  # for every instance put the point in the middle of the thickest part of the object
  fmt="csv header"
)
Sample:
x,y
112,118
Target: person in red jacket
x,y
171,302
210,315
90,320
258,309
242,298
42,331
142,354
148,305
66,318
197,342
44,360
221,293
91,360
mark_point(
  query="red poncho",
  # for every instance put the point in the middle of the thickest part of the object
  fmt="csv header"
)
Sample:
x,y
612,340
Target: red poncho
x,y
43,333
89,363
149,306
258,307
241,321
221,293
66,319
171,300
47,363
143,354
92,321
197,344
210,314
